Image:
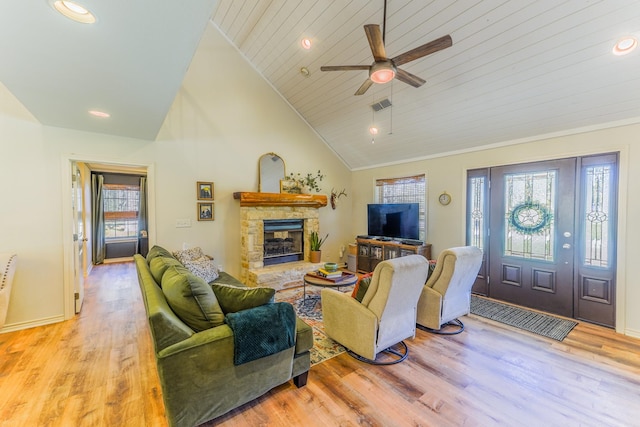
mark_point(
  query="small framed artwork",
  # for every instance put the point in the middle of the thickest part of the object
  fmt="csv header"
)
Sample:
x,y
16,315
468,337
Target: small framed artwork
x,y
205,211
289,187
205,190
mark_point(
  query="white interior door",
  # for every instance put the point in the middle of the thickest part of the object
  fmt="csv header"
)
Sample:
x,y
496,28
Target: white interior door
x,y
78,236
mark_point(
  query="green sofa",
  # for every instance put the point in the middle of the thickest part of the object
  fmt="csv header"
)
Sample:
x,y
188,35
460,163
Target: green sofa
x,y
196,369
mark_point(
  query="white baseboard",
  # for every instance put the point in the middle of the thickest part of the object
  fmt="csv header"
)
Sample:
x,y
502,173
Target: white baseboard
x,y
632,333
116,260
31,324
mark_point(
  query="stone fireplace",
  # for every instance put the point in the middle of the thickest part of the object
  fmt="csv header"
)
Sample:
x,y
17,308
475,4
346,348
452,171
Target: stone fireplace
x,y
279,212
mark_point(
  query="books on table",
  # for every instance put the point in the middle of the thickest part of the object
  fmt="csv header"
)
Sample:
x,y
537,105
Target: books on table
x,y
329,274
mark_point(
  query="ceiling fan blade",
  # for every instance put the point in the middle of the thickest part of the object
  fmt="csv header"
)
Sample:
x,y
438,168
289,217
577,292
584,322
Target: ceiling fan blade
x,y
408,78
366,85
374,36
343,67
424,50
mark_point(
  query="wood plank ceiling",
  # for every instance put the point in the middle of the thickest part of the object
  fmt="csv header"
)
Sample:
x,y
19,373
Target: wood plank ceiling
x,y
516,70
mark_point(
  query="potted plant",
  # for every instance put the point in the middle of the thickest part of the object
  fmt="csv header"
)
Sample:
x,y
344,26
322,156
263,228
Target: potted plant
x,y
299,181
315,243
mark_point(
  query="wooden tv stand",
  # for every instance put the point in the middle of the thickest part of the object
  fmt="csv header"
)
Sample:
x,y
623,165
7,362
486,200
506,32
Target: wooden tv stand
x,y
372,251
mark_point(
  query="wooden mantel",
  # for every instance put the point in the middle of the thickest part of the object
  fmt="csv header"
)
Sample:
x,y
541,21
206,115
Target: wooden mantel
x,y
281,199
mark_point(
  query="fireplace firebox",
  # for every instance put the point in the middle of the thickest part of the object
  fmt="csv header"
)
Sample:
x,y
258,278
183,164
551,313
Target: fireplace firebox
x,y
283,241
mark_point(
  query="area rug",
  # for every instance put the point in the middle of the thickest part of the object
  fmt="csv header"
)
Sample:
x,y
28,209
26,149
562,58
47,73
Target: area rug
x,y
310,311
538,323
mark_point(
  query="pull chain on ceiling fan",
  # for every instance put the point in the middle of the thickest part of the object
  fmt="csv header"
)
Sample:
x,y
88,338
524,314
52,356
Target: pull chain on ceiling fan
x,y
386,69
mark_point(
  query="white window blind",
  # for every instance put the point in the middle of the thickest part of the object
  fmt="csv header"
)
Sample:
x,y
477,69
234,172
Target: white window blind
x,y
408,189
121,205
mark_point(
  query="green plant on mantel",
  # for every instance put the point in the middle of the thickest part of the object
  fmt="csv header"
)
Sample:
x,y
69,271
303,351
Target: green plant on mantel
x,y
311,181
315,242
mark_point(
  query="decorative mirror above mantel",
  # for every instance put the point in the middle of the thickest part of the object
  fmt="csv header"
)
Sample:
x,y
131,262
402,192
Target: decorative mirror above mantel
x,y
271,171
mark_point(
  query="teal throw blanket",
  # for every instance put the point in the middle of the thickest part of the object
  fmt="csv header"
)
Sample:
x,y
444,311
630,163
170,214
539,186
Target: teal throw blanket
x,y
262,331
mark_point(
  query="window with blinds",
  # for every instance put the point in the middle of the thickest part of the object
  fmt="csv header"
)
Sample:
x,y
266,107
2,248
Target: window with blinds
x,y
121,205
409,189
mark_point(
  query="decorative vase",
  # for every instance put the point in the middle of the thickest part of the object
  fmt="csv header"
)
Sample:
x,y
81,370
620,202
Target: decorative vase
x,y
315,256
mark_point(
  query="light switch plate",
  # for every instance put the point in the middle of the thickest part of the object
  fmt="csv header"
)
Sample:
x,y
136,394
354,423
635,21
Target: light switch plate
x,y
183,223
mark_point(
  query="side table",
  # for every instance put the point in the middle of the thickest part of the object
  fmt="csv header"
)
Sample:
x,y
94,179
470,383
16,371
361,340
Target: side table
x,y
310,279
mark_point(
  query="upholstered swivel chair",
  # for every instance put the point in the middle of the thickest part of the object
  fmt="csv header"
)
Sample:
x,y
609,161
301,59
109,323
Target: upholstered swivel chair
x,y
385,317
447,294
7,271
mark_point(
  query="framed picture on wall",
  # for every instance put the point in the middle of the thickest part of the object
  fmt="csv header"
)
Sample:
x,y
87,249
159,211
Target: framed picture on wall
x,y
205,211
205,190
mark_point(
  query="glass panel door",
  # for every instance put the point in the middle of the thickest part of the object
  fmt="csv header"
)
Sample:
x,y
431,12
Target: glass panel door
x,y
532,235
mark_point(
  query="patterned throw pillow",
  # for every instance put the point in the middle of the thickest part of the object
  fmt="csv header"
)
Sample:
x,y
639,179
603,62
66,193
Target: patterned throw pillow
x,y
204,268
190,254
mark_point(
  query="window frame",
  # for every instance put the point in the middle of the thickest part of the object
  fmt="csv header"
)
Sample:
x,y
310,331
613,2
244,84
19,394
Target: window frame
x,y
421,199
115,217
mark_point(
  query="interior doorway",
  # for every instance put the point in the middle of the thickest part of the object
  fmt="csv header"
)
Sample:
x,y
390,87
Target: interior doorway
x,y
77,208
548,232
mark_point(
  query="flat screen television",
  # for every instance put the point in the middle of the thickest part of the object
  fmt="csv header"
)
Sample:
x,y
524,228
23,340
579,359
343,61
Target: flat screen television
x,y
394,220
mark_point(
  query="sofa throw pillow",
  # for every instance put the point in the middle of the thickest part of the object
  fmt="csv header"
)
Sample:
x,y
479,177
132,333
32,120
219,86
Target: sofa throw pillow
x,y
156,251
159,264
227,279
192,299
204,268
361,287
190,254
233,299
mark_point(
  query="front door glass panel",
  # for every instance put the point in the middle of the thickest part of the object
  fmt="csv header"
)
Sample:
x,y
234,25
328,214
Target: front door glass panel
x,y
597,216
530,199
477,219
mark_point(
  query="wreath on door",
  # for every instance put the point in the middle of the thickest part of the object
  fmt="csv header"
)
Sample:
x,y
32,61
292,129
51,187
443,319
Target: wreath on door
x,y
530,218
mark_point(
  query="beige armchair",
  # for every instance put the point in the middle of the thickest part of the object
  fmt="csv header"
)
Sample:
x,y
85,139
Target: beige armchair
x,y
386,315
447,294
7,271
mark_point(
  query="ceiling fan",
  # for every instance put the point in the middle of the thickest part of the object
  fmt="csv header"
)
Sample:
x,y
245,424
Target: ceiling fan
x,y
385,69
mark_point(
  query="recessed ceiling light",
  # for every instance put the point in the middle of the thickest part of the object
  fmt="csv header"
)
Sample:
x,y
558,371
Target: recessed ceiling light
x,y
306,43
625,45
305,71
74,11
100,114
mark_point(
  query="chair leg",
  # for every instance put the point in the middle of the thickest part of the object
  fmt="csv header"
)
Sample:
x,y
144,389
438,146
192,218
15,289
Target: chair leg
x,y
399,354
455,322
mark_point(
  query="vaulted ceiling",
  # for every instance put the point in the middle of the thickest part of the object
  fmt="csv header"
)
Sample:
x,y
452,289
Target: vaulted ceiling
x,y
516,70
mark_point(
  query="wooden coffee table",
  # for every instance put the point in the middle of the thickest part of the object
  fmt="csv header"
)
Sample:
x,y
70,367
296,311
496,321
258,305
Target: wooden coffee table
x,y
310,279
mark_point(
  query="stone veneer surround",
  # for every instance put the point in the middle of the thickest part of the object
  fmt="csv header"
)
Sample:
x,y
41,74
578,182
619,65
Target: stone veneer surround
x,y
254,209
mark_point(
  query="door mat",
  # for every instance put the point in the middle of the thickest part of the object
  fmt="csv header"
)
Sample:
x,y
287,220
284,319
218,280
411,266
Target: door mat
x,y
538,323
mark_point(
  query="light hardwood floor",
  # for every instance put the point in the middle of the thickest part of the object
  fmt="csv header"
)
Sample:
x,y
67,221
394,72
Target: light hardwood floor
x,y
98,370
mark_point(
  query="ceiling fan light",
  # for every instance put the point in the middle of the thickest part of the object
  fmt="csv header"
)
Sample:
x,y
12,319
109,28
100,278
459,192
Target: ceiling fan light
x,y
382,72
382,76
